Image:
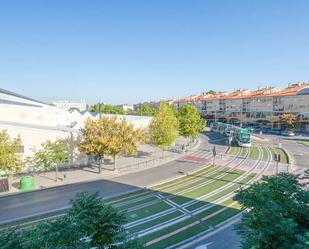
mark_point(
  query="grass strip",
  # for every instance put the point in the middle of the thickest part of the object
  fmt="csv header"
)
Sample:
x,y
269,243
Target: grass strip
x,y
283,155
254,152
183,179
228,213
306,143
234,150
181,236
222,193
137,203
154,222
265,154
208,188
147,211
244,152
202,180
126,197
166,230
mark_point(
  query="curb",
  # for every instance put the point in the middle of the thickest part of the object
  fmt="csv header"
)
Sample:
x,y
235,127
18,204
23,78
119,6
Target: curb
x,y
291,160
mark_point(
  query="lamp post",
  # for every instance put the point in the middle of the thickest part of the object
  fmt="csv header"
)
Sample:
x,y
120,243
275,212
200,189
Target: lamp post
x,y
241,106
214,153
100,159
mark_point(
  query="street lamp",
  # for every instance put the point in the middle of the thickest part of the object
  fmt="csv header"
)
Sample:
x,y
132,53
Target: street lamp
x,y
100,116
241,106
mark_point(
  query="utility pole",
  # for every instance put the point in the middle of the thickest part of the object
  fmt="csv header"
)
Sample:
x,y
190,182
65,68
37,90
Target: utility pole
x,y
214,153
241,106
100,158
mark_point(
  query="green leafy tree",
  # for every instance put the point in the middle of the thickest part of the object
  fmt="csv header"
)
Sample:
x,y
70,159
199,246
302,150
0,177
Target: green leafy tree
x,y
10,158
89,223
175,110
110,137
146,110
96,107
163,128
190,121
52,154
106,108
277,213
212,92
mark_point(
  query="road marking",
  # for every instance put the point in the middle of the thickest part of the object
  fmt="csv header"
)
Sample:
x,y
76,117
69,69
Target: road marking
x,y
204,246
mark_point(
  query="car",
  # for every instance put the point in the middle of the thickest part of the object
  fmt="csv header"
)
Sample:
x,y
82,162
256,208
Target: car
x,y
289,133
265,129
275,131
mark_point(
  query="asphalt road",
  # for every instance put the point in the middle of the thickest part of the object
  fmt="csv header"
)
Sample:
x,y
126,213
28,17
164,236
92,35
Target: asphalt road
x,y
298,152
33,203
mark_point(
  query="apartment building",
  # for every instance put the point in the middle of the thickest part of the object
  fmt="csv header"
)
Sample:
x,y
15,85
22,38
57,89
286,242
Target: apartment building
x,y
262,106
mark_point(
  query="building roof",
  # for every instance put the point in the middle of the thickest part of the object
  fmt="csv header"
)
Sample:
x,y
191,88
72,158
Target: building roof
x,y
6,92
292,89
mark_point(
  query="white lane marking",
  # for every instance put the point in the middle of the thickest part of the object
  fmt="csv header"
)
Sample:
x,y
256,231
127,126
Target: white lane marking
x,y
204,246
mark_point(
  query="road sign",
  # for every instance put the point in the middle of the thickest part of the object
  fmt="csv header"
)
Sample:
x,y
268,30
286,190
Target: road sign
x,y
277,157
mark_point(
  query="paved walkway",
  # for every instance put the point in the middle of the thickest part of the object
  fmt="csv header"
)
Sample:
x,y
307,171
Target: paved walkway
x,y
148,156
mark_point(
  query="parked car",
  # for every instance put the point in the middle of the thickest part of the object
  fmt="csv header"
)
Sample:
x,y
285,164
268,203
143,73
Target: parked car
x,y
275,131
289,133
265,129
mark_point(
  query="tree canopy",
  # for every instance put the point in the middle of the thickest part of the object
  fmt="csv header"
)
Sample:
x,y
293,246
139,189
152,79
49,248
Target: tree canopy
x,y
52,154
289,119
10,158
190,121
110,137
277,214
146,110
89,223
164,127
106,108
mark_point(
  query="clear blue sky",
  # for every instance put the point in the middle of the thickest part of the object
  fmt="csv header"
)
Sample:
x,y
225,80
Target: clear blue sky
x,y
127,51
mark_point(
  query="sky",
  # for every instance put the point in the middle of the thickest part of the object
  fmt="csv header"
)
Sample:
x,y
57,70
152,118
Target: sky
x,y
130,51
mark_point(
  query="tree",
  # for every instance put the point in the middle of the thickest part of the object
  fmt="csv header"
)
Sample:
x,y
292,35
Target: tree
x,y
10,158
106,108
146,110
175,110
277,213
212,92
289,119
190,121
52,154
107,136
89,223
164,127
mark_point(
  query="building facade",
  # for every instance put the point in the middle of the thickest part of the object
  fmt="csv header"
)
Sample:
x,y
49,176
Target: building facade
x,y
69,105
263,106
36,122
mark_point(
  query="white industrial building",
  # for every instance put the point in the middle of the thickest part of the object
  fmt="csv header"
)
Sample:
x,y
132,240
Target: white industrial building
x,y
36,122
69,105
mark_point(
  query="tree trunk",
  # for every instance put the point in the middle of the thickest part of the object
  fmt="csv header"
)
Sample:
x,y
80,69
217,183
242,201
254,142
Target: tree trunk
x,y
114,162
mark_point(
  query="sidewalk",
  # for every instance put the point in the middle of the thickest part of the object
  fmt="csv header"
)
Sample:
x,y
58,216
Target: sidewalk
x,y
148,156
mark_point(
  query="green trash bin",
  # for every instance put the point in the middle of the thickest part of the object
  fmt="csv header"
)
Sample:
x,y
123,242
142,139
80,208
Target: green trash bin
x,y
27,183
